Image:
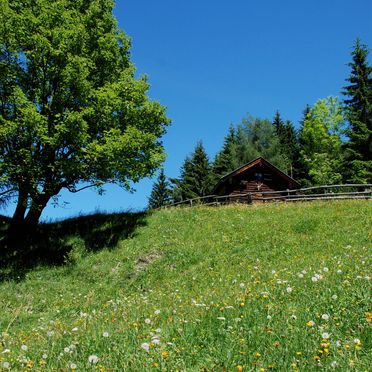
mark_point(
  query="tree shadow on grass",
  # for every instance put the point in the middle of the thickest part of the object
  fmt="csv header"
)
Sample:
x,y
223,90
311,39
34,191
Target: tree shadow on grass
x,y
53,244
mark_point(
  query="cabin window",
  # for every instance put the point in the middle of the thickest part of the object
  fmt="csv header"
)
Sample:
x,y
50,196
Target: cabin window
x,y
259,176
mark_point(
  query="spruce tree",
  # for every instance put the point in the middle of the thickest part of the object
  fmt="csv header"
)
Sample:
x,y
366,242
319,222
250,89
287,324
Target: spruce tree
x,y
195,178
358,106
225,160
160,194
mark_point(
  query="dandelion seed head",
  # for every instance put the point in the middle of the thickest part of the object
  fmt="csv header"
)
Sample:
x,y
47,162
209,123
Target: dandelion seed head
x,y
105,334
93,359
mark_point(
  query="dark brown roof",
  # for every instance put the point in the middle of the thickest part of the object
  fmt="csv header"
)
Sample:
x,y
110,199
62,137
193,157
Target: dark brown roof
x,y
259,160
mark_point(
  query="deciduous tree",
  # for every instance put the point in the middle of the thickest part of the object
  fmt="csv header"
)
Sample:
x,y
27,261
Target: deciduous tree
x,y
71,109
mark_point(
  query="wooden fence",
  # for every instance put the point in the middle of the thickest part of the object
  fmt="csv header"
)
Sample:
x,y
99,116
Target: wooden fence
x,y
325,192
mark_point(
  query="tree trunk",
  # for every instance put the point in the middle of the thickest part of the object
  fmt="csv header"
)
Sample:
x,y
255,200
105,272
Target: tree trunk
x,y
19,214
36,209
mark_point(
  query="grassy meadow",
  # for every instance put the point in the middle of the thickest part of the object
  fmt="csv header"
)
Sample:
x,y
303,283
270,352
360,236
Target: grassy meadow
x,y
283,287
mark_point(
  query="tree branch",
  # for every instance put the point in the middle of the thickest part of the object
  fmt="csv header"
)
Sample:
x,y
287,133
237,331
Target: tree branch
x,y
77,190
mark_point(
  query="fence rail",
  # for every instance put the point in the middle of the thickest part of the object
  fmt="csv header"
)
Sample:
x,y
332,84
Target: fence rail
x,y
324,192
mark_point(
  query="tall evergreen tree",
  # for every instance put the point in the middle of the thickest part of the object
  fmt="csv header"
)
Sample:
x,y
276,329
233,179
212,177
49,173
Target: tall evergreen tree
x,y
288,140
160,193
302,169
195,178
358,105
225,160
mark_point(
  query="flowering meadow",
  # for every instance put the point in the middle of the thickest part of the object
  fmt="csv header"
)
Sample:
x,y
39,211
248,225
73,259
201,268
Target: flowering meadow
x,y
283,287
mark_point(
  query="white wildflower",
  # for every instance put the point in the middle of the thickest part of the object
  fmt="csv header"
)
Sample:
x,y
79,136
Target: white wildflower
x,y
289,290
93,359
157,312
334,297
325,269
105,334
147,321
325,317
6,365
145,346
325,335
24,347
221,318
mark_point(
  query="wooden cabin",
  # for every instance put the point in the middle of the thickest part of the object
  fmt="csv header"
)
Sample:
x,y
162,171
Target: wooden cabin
x,y
255,177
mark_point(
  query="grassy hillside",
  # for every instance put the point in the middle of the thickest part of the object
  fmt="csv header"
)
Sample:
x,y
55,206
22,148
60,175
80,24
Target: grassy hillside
x,y
283,287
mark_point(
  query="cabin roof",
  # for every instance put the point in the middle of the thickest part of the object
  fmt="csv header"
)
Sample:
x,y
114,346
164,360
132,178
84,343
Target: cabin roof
x,y
251,164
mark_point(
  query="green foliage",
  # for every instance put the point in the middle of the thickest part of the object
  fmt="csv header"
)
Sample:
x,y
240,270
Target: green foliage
x,y
252,138
288,140
160,193
195,178
211,294
358,106
71,108
321,141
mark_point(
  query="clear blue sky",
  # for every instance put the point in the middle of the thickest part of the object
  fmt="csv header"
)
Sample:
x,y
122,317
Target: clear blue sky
x,y
212,62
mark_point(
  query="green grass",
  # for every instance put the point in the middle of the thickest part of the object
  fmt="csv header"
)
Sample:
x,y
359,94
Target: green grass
x,y
229,288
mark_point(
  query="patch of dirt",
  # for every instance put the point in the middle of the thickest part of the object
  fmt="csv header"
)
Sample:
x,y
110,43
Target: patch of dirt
x,y
142,262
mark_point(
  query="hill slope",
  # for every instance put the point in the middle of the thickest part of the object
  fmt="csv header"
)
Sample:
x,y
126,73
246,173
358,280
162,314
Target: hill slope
x,y
233,288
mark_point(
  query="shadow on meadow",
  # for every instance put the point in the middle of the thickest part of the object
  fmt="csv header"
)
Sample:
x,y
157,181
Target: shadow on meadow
x,y
63,242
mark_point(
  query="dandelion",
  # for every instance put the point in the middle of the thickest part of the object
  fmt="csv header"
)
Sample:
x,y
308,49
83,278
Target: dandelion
x,y
24,347
93,359
105,334
157,312
325,317
73,366
325,269
310,323
239,368
145,346
325,335
147,321
289,290
165,354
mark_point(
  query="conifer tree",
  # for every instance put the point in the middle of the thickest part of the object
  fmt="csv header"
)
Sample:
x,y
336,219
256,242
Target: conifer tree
x,y
160,194
195,178
358,105
225,160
